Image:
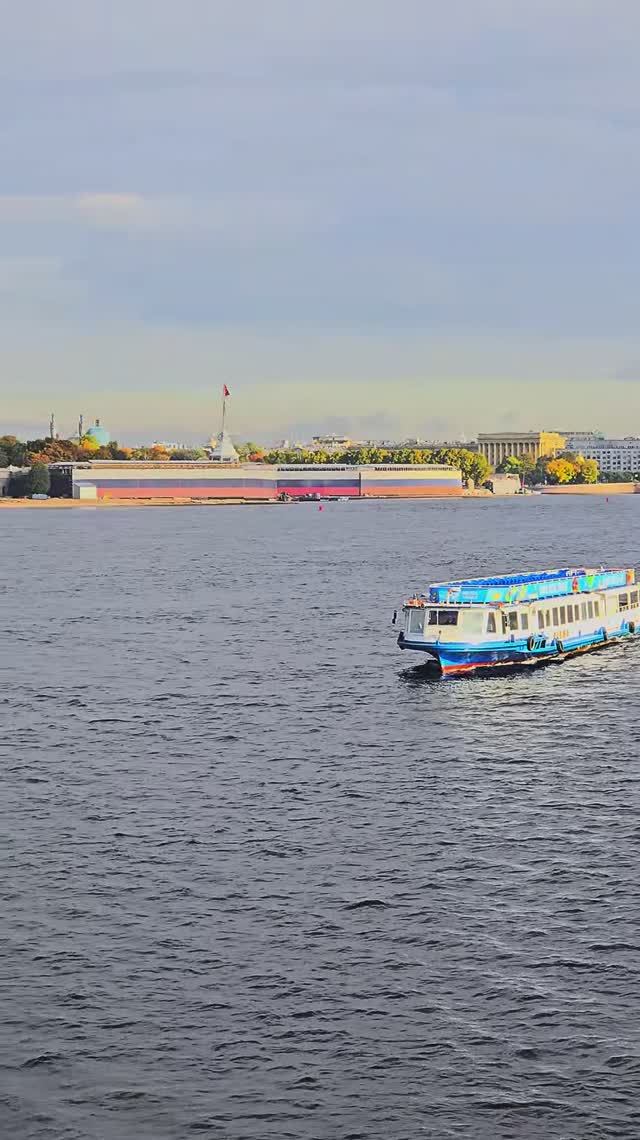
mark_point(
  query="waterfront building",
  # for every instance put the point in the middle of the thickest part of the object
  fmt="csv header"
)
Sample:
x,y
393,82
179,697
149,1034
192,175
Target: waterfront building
x,y
498,446
213,479
613,455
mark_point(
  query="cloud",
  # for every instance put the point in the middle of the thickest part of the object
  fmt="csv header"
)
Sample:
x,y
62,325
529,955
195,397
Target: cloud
x,y
96,209
242,215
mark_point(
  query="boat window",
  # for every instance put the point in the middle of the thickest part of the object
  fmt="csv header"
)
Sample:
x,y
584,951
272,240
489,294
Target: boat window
x,y
623,601
491,623
563,615
583,610
447,617
548,617
433,617
524,621
570,613
416,621
555,616
590,609
596,608
513,619
633,598
472,621
540,619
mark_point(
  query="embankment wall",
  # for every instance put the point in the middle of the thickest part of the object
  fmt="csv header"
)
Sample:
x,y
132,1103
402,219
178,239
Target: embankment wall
x,y
593,489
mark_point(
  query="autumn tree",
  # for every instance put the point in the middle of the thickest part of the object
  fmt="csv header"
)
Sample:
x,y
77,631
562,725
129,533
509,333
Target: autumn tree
x,y
14,450
561,471
52,451
248,450
587,470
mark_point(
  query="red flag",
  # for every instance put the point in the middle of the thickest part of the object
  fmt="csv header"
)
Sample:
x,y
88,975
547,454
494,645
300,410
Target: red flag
x,y
225,391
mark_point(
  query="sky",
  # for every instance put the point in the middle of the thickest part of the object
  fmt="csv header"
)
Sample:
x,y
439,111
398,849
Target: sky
x,y
379,217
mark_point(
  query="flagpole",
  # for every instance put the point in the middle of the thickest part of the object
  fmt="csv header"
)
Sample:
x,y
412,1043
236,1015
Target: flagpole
x,y
224,408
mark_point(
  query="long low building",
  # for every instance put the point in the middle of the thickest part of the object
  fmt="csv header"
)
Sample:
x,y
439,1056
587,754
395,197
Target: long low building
x,y
128,479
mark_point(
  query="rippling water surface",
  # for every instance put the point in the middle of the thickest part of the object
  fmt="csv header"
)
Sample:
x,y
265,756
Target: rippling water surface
x,y
263,878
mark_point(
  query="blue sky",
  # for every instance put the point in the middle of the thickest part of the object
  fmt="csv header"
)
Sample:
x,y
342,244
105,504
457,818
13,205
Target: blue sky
x,y
384,218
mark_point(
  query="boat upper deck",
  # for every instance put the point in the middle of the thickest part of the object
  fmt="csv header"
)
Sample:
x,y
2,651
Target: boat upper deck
x,y
513,588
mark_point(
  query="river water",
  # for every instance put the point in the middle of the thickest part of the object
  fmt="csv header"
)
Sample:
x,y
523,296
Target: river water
x,y
264,879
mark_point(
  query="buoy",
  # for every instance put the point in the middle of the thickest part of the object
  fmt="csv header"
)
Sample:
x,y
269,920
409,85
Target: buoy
x,y
320,507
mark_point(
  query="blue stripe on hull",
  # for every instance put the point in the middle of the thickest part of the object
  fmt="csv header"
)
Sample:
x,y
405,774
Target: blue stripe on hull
x,y
463,658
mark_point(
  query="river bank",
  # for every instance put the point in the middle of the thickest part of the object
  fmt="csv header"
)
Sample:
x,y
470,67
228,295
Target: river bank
x,y
7,503
105,504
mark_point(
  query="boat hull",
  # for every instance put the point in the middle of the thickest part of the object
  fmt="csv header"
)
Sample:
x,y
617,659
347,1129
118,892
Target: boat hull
x,y
458,658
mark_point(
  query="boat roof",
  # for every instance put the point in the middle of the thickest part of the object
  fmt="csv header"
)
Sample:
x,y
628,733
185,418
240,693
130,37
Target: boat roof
x,y
528,587
521,579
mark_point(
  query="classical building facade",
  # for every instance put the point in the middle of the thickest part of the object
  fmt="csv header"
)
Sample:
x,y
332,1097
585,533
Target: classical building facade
x,y
497,446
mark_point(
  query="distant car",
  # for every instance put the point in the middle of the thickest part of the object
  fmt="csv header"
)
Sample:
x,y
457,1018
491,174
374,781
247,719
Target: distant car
x,y
39,496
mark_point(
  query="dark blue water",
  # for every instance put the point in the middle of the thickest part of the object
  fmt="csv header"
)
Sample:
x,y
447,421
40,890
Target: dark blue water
x,y
262,879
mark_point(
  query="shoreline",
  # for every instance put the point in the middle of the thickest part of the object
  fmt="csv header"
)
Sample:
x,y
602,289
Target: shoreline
x,y
589,489
92,504
106,504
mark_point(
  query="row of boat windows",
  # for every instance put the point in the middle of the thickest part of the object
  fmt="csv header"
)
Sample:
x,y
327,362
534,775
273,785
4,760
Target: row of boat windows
x,y
512,620
555,616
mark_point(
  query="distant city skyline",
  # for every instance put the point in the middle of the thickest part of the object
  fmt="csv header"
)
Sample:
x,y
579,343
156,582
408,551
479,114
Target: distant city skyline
x,y
574,439
375,219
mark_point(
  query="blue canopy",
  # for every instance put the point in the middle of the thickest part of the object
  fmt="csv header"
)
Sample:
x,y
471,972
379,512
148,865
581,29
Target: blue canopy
x,y
509,588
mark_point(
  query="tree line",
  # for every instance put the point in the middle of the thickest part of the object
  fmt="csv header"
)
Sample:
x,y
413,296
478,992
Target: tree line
x,y
18,453
24,453
561,469
474,467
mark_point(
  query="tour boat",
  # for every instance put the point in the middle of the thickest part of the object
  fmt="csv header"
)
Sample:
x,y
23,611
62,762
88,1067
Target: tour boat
x,y
520,619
